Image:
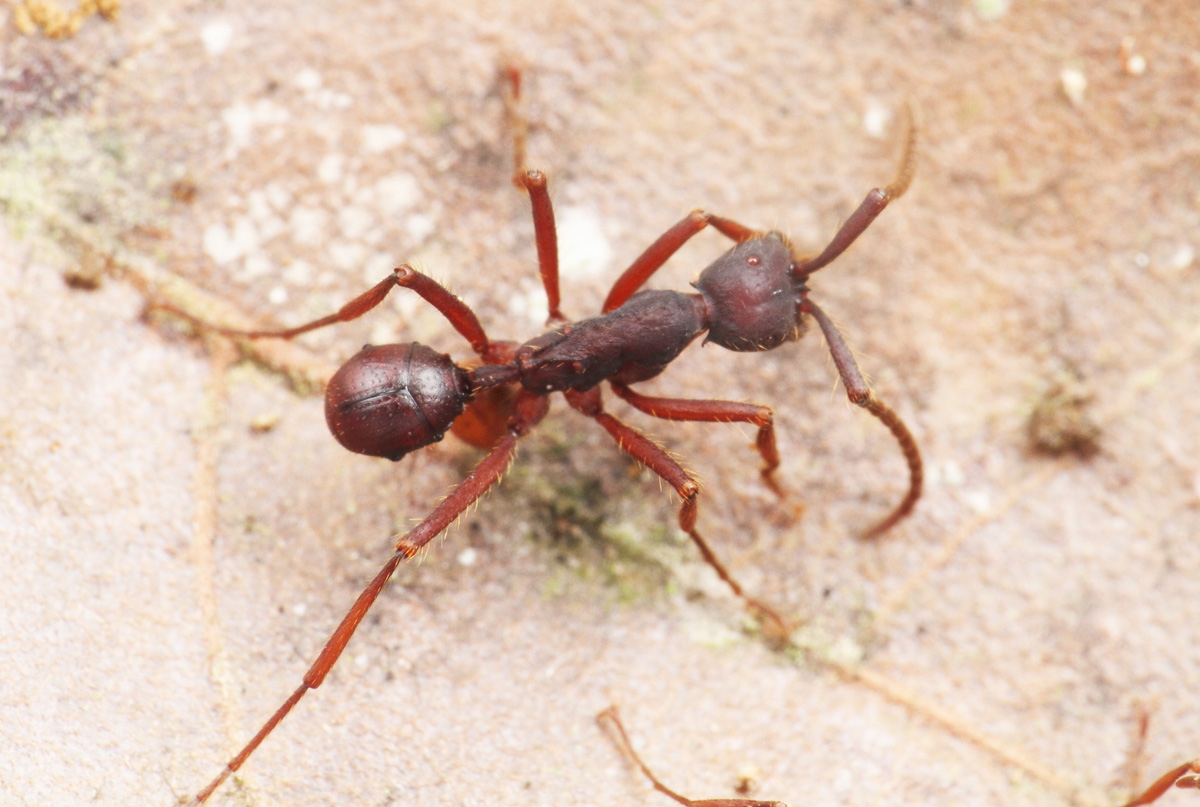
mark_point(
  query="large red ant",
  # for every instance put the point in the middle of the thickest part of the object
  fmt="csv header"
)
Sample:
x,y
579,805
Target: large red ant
x,y
390,400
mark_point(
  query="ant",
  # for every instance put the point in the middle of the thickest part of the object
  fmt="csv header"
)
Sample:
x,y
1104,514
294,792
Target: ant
x,y
390,400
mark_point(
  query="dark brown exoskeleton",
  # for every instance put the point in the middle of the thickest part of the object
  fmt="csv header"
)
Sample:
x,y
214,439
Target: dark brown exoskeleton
x,y
390,400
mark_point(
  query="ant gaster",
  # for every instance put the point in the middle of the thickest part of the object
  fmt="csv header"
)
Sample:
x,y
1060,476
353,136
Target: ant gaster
x,y
390,400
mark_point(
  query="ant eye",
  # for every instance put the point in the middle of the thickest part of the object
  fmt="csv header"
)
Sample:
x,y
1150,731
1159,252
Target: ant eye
x,y
753,260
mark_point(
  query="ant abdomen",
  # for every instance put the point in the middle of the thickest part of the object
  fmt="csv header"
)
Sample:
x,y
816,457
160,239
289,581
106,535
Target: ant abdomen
x,y
389,400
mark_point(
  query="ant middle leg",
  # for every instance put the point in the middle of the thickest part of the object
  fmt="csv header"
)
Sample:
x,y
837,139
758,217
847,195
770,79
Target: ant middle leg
x,y
713,411
546,235
645,451
534,183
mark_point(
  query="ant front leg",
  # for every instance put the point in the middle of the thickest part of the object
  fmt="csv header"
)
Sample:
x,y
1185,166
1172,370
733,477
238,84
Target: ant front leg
x,y
642,449
610,718
664,247
716,412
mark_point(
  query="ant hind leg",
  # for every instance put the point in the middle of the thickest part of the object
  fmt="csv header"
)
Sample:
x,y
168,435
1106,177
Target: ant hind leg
x,y
612,720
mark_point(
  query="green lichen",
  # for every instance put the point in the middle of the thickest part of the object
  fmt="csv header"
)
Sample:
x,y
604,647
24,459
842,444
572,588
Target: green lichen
x,y
600,527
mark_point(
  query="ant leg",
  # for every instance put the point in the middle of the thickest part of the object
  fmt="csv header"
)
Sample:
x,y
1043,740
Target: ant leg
x,y
487,473
667,245
645,451
534,183
451,307
610,718
870,208
860,394
716,412
518,121
1186,775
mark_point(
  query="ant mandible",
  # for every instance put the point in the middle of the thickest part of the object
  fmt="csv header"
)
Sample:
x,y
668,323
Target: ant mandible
x,y
390,400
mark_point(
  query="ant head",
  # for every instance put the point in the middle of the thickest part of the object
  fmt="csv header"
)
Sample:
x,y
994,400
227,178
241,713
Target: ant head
x,y
388,400
752,295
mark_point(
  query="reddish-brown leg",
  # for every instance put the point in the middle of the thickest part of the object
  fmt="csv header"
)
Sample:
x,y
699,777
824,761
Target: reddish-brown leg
x,y
451,307
547,238
1186,775
667,245
860,394
534,183
612,720
870,208
716,412
530,409
518,122
641,448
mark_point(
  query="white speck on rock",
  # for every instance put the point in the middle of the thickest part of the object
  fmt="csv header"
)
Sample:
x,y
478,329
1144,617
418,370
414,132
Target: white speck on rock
x,y
308,225
396,193
979,500
989,10
328,99
330,170
875,119
225,246
269,224
242,119
1183,257
584,249
377,267
219,245
239,119
378,138
216,36
355,221
346,254
419,227
257,265
299,273
278,196
1074,84
308,80
256,203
